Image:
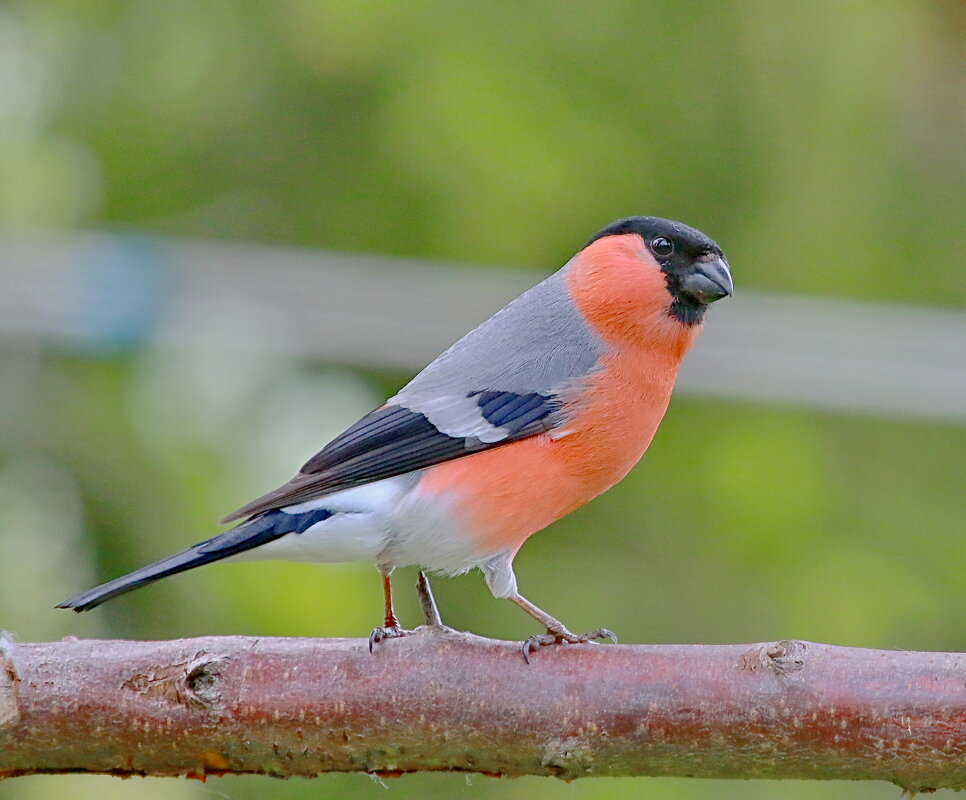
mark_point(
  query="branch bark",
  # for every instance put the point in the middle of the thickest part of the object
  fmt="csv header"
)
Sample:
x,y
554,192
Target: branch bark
x,y
441,700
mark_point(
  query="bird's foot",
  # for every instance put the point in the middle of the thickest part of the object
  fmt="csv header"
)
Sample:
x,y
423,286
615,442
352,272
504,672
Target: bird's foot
x,y
564,637
387,632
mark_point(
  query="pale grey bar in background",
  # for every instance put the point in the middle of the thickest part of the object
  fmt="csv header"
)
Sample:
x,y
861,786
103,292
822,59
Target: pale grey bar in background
x,y
111,291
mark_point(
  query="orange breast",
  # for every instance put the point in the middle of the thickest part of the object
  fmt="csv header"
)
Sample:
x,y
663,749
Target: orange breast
x,y
508,493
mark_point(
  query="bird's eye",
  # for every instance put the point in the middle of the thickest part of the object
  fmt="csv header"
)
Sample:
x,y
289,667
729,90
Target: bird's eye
x,y
661,247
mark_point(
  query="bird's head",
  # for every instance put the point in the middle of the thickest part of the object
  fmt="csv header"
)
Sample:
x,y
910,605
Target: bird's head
x,y
648,276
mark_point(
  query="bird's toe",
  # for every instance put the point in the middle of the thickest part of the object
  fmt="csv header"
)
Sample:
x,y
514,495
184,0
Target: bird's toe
x,y
381,634
532,644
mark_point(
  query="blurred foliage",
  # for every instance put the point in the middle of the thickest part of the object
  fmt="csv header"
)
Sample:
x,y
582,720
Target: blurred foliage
x,y
820,143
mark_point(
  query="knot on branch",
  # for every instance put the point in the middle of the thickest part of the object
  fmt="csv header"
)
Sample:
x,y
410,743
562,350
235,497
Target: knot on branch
x,y
9,707
781,658
567,758
191,682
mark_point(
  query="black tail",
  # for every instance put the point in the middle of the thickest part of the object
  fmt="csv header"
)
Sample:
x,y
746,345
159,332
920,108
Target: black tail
x,y
186,559
254,532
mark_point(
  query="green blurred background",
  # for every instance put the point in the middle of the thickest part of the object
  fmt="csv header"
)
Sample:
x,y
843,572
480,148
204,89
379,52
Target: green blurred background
x,y
820,143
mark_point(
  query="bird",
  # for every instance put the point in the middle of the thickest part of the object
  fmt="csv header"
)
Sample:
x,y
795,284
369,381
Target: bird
x,y
533,413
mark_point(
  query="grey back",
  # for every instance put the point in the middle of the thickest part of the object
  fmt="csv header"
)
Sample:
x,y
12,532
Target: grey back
x,y
536,343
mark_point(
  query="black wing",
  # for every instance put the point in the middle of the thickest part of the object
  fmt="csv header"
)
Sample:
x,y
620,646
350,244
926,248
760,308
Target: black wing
x,y
393,440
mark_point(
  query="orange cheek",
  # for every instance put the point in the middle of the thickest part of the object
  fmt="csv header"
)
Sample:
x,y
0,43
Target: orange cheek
x,y
622,293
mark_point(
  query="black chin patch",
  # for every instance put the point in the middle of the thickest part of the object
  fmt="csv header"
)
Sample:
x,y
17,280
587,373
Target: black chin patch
x,y
687,312
684,308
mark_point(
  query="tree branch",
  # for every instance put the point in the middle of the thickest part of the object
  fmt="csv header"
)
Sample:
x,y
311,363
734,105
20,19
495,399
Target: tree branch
x,y
442,700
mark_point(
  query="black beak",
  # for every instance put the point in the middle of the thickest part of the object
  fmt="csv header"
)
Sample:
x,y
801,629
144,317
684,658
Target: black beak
x,y
709,280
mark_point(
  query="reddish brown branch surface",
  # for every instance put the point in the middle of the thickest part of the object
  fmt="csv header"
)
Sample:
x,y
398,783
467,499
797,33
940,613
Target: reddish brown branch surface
x,y
448,701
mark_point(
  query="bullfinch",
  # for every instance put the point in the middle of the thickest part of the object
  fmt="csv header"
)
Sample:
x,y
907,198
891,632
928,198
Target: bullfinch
x,y
541,408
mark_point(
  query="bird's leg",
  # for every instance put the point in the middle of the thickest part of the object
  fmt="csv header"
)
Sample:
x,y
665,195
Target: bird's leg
x,y
427,601
556,633
391,621
391,629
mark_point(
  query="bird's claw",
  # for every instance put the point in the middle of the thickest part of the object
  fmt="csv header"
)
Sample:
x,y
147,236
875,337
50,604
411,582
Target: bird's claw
x,y
389,632
564,637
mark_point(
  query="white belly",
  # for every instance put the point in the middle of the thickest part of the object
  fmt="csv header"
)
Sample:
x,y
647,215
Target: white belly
x,y
426,533
386,522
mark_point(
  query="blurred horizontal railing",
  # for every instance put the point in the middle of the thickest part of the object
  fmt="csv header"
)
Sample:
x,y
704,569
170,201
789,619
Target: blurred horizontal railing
x,y
103,293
